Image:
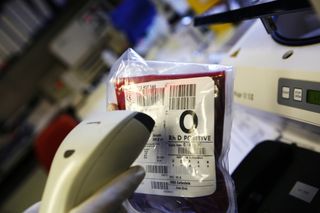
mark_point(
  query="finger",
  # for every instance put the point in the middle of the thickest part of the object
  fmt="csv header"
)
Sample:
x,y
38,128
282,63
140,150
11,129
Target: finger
x,y
112,107
33,209
111,196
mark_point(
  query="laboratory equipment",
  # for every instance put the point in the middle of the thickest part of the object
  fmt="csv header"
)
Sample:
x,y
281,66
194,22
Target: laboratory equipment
x,y
275,78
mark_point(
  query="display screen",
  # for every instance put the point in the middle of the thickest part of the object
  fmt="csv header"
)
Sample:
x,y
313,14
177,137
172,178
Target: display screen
x,y
313,97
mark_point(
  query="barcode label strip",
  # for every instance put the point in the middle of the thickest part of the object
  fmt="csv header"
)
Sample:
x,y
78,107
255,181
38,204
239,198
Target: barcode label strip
x,y
182,96
194,151
159,185
150,95
157,169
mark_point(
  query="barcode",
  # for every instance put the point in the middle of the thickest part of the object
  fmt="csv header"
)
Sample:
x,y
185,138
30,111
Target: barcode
x,y
159,185
194,151
157,169
150,95
182,97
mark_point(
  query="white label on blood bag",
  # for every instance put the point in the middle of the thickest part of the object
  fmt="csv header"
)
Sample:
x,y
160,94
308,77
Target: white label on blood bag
x,y
179,156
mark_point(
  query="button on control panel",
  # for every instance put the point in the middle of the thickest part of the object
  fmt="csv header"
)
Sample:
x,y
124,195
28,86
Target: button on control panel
x,y
285,92
299,94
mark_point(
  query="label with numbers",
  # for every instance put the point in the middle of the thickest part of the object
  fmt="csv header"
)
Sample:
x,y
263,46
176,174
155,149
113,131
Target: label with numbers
x,y
179,156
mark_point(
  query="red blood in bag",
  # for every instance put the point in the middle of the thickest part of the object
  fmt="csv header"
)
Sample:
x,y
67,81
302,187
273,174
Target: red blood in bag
x,y
216,202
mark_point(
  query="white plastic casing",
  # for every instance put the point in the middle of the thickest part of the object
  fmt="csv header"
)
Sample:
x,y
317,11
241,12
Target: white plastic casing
x,y
93,153
259,64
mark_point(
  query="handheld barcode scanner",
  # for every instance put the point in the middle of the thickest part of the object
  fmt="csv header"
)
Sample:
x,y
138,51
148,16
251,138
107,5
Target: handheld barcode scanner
x,y
93,153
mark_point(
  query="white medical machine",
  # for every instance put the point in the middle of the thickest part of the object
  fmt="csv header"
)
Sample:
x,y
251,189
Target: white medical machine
x,y
275,78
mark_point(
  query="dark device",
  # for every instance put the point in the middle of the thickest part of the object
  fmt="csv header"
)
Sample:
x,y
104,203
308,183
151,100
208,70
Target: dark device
x,y
278,177
289,22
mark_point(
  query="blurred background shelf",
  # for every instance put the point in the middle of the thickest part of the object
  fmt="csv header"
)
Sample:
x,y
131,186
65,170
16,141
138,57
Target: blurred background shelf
x,y
32,88
63,66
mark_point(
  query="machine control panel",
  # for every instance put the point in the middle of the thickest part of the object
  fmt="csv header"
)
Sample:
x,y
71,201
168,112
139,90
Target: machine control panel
x,y
299,94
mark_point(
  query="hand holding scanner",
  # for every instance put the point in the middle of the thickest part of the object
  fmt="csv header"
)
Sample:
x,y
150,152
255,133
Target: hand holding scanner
x,y
93,153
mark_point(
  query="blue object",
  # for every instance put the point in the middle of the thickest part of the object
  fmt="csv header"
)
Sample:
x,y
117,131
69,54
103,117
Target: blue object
x,y
133,18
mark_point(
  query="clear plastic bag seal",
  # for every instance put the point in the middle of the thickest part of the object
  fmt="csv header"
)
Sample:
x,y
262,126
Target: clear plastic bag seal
x,y
186,156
